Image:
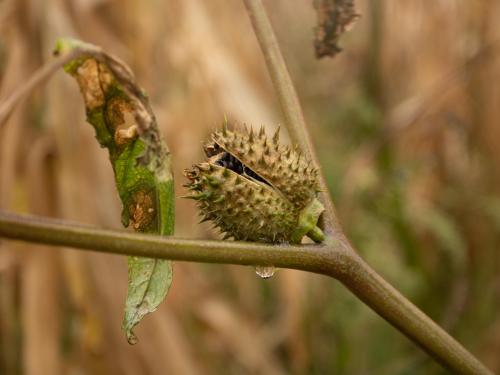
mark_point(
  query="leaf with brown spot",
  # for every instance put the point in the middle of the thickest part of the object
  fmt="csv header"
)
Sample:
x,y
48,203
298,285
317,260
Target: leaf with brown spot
x,y
124,123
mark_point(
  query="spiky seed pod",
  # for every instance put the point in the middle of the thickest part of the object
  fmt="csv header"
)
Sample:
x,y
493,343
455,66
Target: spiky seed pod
x,y
285,169
253,188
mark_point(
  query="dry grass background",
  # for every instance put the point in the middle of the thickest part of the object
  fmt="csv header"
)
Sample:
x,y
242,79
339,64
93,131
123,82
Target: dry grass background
x,y
406,121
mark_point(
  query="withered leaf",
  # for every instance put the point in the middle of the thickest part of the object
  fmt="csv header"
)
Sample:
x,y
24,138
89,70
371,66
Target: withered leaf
x,y
335,17
124,123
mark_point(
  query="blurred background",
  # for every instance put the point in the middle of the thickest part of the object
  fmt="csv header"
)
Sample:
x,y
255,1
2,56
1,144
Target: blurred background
x,y
406,123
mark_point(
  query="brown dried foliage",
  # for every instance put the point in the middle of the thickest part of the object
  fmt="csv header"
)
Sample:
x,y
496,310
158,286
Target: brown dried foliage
x,y
432,107
335,17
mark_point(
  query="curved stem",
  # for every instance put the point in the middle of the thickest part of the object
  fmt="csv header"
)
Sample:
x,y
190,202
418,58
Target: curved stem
x,y
386,301
39,77
316,234
362,280
335,259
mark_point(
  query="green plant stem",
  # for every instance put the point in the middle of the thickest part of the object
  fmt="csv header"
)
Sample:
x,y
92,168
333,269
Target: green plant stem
x,y
334,259
63,233
386,301
359,277
289,101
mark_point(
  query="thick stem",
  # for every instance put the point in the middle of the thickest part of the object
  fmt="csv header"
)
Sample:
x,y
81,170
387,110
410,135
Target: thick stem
x,y
56,232
358,276
386,301
335,259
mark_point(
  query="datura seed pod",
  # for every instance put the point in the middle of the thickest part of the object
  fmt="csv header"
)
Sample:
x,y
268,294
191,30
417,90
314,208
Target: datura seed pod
x,y
255,189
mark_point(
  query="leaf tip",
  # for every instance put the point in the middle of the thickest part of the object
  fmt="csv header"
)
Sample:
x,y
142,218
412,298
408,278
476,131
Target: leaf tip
x,y
131,337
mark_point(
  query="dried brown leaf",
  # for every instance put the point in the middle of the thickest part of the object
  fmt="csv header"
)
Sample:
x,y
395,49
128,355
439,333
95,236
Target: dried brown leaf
x,y
335,17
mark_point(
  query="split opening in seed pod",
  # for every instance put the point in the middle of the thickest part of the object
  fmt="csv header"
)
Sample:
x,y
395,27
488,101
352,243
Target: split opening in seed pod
x,y
230,162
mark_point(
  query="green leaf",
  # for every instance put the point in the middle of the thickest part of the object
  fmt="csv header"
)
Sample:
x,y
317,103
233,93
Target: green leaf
x,y
120,113
149,281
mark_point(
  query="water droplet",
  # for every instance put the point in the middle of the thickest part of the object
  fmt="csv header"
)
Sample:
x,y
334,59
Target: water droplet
x,y
265,272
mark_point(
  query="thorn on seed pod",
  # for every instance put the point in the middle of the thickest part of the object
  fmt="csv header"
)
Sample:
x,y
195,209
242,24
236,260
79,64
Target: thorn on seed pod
x,y
254,189
276,136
